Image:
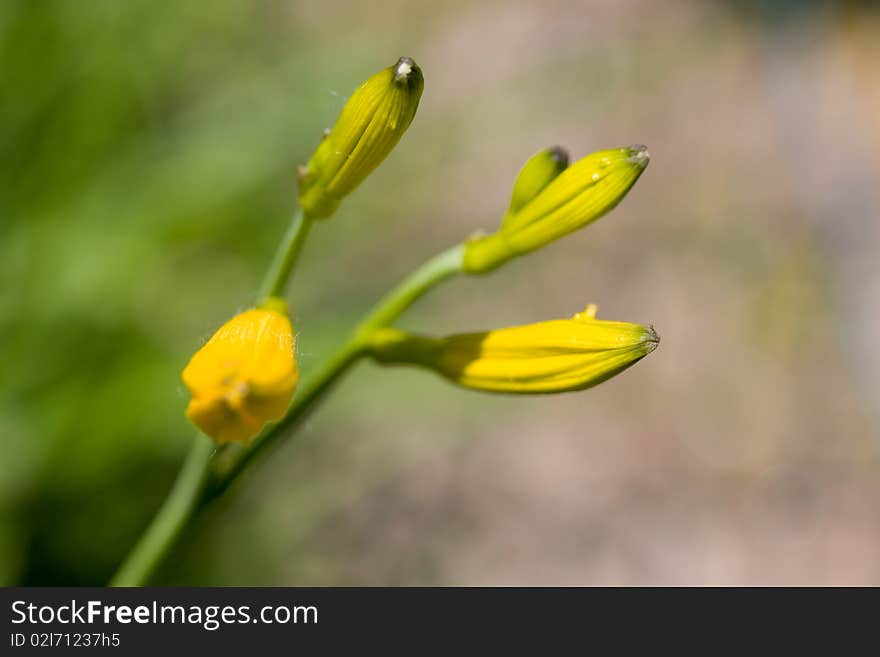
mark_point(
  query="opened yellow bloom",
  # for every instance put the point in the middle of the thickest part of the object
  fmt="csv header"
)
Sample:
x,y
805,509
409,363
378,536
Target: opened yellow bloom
x,y
370,125
547,357
244,376
572,199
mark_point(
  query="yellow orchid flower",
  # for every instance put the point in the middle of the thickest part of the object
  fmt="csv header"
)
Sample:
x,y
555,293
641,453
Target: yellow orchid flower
x,y
245,375
547,357
370,125
580,194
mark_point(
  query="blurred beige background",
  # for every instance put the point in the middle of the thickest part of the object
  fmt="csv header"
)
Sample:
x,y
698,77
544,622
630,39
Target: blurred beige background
x,y
743,451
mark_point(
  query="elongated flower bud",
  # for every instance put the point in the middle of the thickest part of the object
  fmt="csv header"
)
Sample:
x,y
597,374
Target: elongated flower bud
x,y
547,357
538,172
370,125
244,376
579,195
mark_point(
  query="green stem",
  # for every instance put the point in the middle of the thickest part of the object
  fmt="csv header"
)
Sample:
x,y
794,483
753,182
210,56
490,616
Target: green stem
x,y
175,512
394,303
286,256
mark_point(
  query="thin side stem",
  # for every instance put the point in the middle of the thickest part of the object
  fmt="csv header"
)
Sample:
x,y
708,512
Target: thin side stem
x,y
286,256
176,511
442,266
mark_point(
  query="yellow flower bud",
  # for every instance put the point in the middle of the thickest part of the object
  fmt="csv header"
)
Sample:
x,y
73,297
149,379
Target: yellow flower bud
x,y
547,357
579,195
370,125
244,376
536,174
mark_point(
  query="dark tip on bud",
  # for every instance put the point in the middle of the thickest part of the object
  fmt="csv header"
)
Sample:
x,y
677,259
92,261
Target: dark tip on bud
x,y
560,155
639,155
653,338
407,72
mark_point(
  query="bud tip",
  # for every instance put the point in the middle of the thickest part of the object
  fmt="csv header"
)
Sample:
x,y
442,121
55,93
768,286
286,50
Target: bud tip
x,y
652,337
406,71
559,154
639,155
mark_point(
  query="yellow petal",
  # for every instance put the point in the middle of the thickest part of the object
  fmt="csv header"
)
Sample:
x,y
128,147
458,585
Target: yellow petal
x,y
244,376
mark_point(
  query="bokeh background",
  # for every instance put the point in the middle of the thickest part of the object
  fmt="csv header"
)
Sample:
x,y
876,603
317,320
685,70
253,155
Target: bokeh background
x,y
147,170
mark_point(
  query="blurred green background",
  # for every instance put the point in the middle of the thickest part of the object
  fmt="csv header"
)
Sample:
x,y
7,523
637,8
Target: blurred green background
x,y
147,172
